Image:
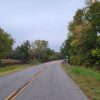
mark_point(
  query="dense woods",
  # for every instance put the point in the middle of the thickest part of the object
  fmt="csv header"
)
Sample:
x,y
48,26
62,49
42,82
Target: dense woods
x,y
27,52
37,50
6,43
83,43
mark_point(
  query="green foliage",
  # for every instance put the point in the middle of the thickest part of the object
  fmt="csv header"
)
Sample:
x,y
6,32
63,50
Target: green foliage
x,y
83,43
22,52
65,48
39,49
93,15
87,79
84,72
12,68
42,52
6,43
90,2
33,52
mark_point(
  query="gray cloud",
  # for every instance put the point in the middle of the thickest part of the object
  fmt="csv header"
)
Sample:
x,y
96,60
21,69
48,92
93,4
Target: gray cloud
x,y
38,19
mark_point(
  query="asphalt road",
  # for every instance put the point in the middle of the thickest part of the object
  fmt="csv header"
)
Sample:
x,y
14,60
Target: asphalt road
x,y
47,81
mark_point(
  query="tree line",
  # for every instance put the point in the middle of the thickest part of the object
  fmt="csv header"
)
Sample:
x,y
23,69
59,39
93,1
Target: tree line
x,y
26,52
82,45
37,50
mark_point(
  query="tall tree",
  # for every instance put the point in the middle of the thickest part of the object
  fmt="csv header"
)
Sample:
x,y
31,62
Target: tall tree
x,y
22,52
93,15
6,43
84,30
40,47
90,2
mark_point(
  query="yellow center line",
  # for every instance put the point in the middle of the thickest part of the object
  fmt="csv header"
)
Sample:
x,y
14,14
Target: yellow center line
x,y
14,94
10,95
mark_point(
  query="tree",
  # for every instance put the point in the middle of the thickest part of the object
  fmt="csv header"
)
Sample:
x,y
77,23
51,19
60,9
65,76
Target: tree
x,y
36,51
22,52
6,43
39,48
90,2
42,52
65,48
83,41
40,44
93,15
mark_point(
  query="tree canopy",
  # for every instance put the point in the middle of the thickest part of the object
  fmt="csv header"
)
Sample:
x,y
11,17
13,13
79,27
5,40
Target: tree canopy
x,y
83,43
6,43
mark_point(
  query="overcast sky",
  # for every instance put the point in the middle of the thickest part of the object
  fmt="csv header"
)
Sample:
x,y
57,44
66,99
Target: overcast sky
x,y
38,19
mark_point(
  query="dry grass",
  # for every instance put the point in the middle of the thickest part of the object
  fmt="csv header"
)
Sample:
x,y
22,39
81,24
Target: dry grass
x,y
10,61
12,68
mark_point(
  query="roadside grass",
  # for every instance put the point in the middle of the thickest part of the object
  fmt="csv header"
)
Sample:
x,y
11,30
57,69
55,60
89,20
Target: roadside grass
x,y
87,79
13,68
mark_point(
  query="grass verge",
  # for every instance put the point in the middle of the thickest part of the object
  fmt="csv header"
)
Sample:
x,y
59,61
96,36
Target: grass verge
x,y
87,79
12,68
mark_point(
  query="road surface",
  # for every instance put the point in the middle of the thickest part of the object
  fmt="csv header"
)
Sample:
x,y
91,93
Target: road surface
x,y
47,81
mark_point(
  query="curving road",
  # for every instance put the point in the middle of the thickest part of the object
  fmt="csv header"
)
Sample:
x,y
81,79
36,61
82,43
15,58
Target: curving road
x,y
47,81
